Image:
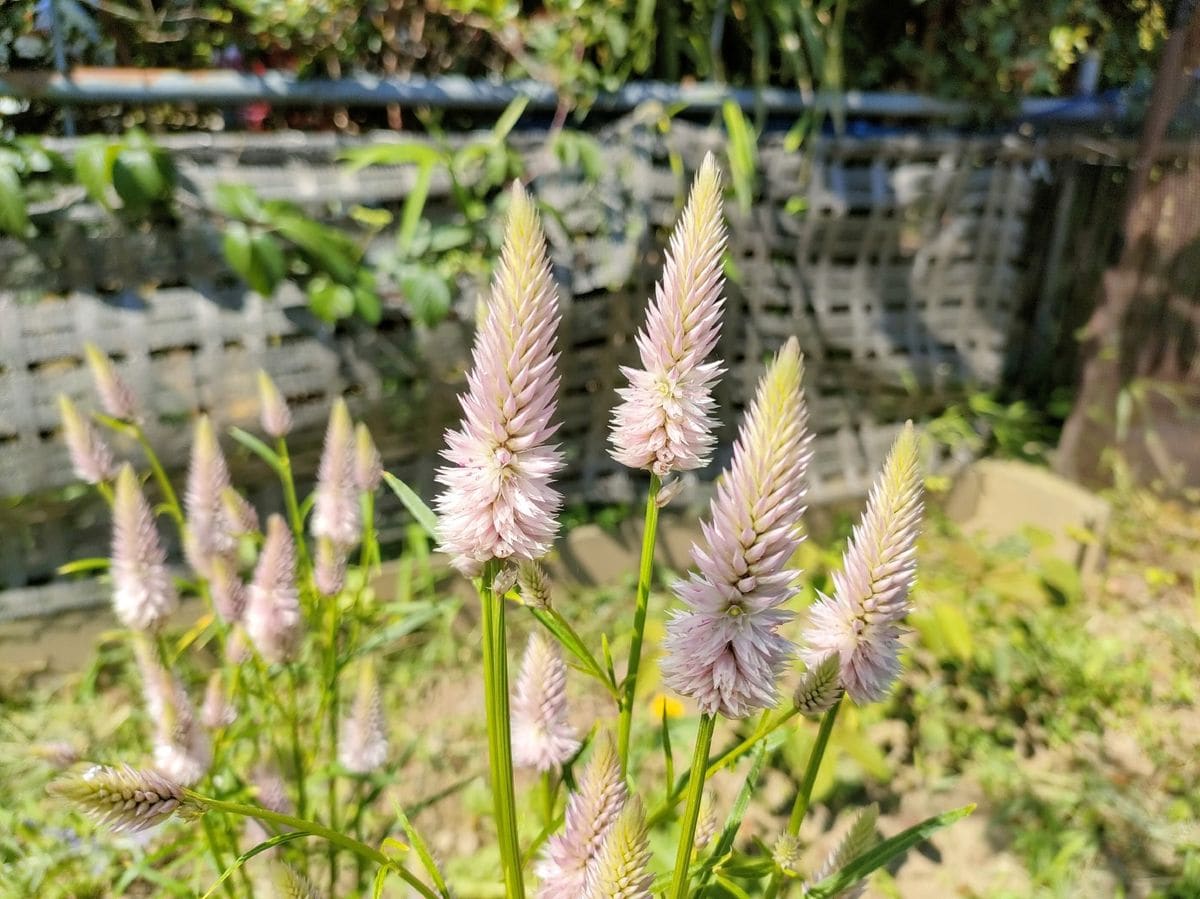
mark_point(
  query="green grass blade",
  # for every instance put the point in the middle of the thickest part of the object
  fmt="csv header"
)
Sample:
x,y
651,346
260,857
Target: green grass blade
x,y
415,505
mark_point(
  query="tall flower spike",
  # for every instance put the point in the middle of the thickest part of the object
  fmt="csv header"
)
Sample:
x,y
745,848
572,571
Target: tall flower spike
x,y
91,458
591,811
368,466
329,569
217,711
272,617
125,798
497,500
724,650
860,623
143,591
209,533
274,414
819,688
116,397
335,509
226,589
241,518
858,839
182,751
542,737
363,746
665,419
621,869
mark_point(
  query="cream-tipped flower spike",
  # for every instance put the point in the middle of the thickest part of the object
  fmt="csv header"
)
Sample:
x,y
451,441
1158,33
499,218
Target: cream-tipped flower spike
x,y
143,590
125,798
542,737
182,751
858,839
217,711
363,745
209,533
116,397
591,810
665,419
621,869
91,458
860,623
336,515
819,687
724,650
497,499
329,568
368,464
272,616
291,884
274,414
535,586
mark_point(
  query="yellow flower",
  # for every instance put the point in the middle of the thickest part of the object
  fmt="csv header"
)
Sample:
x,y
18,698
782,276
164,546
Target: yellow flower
x,y
662,704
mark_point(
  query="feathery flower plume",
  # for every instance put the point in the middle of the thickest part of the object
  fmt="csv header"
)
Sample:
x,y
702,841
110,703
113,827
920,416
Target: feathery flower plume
x,y
706,823
591,811
497,500
724,650
819,687
858,839
272,616
368,465
542,737
209,534
143,591
241,518
226,589
665,420
329,569
291,884
182,751
91,458
116,396
274,413
535,588
58,754
621,869
335,509
860,623
125,798
362,744
786,853
217,711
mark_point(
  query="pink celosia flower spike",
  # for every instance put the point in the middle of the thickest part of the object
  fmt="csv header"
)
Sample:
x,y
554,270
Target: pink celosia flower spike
x,y
724,650
860,623
143,590
182,750
368,465
272,616
497,500
591,811
336,513
542,737
363,745
665,421
91,458
274,413
116,397
208,529
621,870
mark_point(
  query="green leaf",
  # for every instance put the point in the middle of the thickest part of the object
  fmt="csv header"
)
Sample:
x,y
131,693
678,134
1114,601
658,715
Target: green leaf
x,y
426,294
883,853
368,305
269,262
81,565
141,178
566,636
509,118
331,251
93,168
414,206
235,244
238,201
14,216
743,153
274,841
734,821
329,300
422,850
668,755
257,447
415,505
391,154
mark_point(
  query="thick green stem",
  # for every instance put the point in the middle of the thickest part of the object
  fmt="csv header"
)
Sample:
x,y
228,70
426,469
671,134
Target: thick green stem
x,y
495,679
645,575
317,830
290,502
691,812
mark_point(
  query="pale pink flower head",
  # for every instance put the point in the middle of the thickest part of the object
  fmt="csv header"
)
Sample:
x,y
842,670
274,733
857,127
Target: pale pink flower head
x,y
362,744
724,649
542,737
91,458
329,567
274,413
591,811
116,397
241,518
336,513
665,419
272,616
208,531
217,711
860,623
621,870
143,590
226,589
368,464
182,750
497,500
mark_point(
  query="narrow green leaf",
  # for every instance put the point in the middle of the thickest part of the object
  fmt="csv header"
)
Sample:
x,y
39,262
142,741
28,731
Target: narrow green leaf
x,y
566,636
93,168
257,447
238,201
736,814
380,877
250,853
81,565
884,852
414,207
269,262
668,755
415,505
422,850
390,154
509,118
426,294
14,215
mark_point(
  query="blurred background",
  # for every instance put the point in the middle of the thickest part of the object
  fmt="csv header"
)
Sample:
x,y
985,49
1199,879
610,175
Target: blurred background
x,y
982,216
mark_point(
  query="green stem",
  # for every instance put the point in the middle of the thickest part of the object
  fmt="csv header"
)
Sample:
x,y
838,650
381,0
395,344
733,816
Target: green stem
x,y
334,713
160,476
495,679
316,830
290,501
804,796
215,851
549,790
645,574
691,813
297,751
